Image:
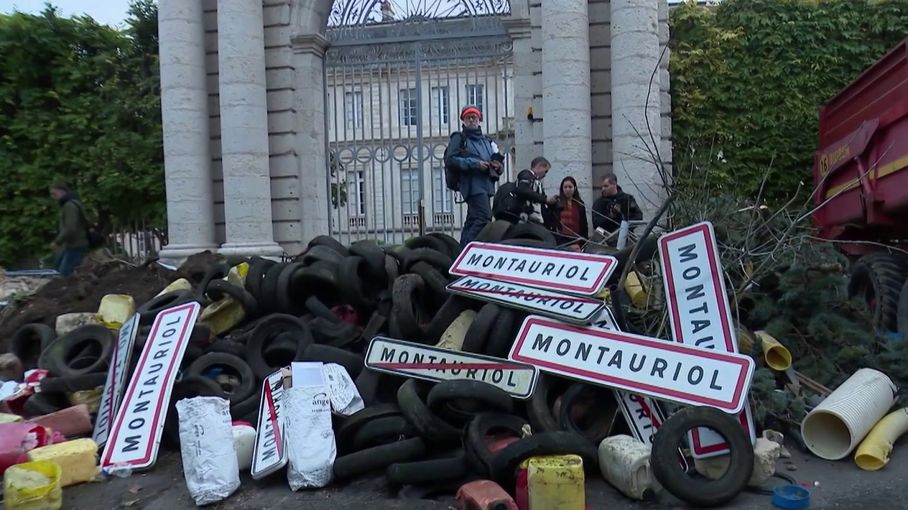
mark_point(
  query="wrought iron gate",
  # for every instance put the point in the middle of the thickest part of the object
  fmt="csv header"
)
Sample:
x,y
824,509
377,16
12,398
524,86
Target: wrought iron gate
x,y
393,93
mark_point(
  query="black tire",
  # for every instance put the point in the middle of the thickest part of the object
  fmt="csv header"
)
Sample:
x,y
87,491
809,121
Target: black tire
x,y
902,320
494,231
214,272
435,281
448,398
379,457
335,334
245,381
267,331
150,309
40,404
374,258
229,347
351,424
319,279
502,336
478,456
539,406
450,310
59,357
698,491
427,242
428,471
356,285
876,281
352,362
430,426
392,270
267,298
596,424
247,409
320,253
437,259
452,245
381,431
74,383
374,327
217,288
29,341
188,387
287,300
506,461
367,384
409,308
531,231
476,338
330,242
317,308
257,269
529,243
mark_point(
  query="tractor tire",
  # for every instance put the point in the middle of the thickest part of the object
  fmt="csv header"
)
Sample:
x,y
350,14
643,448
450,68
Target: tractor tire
x,y
876,280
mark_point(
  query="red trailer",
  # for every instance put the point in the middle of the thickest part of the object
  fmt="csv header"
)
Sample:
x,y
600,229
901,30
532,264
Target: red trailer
x,y
861,177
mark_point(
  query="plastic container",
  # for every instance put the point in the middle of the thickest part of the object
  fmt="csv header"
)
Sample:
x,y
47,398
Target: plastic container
x,y
484,495
634,288
453,337
556,481
625,464
791,497
115,309
244,443
221,316
78,460
33,486
836,426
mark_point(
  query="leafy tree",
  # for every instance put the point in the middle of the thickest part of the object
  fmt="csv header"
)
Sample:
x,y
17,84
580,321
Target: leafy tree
x,y
79,102
748,78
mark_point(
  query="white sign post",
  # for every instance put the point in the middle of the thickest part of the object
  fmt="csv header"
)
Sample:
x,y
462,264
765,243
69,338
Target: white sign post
x,y
560,271
116,379
136,433
270,454
574,309
638,364
699,312
434,364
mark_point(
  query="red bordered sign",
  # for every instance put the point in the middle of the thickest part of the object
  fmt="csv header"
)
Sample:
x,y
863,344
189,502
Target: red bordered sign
x,y
116,379
270,454
560,271
699,311
136,433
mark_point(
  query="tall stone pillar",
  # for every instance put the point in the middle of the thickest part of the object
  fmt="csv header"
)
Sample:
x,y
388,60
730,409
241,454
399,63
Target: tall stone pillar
x,y
244,129
184,109
635,55
519,31
567,124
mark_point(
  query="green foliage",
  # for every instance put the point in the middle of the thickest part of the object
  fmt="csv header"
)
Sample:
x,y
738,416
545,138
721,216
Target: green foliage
x,y
748,78
79,102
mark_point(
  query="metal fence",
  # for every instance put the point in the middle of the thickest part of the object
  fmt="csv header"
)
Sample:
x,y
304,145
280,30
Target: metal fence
x,y
136,241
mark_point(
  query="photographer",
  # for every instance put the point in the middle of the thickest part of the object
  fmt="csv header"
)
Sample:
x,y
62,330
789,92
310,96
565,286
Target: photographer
x,y
476,159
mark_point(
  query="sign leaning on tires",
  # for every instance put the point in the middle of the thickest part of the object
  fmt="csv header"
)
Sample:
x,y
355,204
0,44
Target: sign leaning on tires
x,y
116,379
269,453
699,312
639,364
136,433
575,273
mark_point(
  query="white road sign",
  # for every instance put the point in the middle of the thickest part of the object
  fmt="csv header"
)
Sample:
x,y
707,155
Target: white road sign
x,y
269,454
116,379
136,432
634,363
699,312
568,308
429,363
560,271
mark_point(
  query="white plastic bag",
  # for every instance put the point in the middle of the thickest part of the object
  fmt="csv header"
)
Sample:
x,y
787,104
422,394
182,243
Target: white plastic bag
x,y
310,439
206,445
345,398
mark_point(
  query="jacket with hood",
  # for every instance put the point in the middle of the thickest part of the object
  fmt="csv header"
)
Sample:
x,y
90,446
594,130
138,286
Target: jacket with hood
x,y
477,148
604,215
73,227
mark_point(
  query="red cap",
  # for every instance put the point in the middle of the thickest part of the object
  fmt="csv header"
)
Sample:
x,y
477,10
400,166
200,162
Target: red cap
x,y
470,109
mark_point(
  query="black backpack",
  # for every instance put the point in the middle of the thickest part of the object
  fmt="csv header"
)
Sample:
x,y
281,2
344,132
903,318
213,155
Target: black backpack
x,y
452,174
505,204
92,230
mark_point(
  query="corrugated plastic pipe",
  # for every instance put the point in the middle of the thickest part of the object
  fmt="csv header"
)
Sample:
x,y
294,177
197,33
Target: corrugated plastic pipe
x,y
874,451
836,426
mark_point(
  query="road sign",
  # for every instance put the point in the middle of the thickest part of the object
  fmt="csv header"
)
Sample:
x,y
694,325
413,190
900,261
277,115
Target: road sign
x,y
429,363
635,363
699,312
136,432
568,308
116,379
269,454
560,271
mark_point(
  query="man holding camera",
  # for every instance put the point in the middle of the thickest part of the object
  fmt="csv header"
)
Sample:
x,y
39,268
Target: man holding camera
x,y
478,163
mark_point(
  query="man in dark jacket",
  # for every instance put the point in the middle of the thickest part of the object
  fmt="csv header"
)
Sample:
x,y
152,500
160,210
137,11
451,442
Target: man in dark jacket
x,y
614,206
71,242
526,196
479,171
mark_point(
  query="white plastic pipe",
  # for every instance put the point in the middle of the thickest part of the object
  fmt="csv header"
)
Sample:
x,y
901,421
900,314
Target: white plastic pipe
x,y
836,426
624,462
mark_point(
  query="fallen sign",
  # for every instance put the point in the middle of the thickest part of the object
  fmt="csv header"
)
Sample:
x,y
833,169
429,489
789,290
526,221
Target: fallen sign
x,y
136,433
576,273
116,379
551,304
269,454
435,364
638,364
699,312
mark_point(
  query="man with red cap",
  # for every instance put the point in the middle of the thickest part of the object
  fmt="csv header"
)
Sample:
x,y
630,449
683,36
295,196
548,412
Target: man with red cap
x,y
475,159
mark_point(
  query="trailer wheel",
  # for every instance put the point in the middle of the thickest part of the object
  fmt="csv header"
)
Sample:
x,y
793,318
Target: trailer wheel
x,y
876,280
902,319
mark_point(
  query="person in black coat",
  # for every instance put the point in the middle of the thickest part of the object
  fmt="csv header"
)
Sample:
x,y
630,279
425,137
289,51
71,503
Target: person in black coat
x,y
568,216
614,206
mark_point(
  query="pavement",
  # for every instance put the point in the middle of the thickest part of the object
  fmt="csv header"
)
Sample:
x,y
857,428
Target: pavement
x,y
836,485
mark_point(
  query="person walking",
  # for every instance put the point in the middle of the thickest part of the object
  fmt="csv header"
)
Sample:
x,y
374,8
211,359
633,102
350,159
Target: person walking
x,y
71,244
571,226
477,163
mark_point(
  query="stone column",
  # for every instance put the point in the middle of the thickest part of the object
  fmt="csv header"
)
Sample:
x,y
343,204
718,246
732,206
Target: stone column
x,y
308,55
567,124
244,129
519,32
184,112
635,55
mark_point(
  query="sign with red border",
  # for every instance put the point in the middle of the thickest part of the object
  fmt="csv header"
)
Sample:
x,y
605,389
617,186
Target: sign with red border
x,y
699,312
269,454
561,271
136,434
638,364
116,379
